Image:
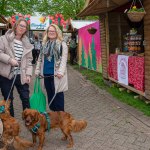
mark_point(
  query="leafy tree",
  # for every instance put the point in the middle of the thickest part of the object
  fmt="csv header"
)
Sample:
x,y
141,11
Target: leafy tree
x,y
69,8
10,7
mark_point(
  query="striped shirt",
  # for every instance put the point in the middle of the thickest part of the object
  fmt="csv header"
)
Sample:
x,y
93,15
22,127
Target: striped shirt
x,y
18,51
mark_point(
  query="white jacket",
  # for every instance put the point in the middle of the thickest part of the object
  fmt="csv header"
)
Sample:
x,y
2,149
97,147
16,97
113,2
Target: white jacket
x,y
61,85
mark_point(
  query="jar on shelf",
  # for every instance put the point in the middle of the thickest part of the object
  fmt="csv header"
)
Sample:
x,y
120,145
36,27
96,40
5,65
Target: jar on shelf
x,y
139,37
138,48
136,37
125,49
135,48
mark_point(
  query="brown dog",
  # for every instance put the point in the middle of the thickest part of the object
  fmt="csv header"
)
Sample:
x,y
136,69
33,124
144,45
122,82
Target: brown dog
x,y
60,119
11,129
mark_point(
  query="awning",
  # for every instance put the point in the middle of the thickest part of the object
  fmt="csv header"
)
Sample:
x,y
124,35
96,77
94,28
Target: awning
x,y
97,7
77,24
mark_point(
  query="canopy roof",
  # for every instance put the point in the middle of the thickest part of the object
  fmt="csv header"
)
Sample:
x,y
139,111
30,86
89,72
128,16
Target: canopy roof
x,y
77,24
96,7
3,20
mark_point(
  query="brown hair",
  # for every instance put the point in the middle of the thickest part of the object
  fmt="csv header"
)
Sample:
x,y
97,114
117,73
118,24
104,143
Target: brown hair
x,y
18,22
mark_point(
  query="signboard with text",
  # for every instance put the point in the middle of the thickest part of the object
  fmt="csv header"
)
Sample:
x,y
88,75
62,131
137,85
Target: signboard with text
x,y
39,23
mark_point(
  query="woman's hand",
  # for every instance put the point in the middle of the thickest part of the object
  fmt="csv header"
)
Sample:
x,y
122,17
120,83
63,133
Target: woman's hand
x,y
13,62
37,73
59,76
28,79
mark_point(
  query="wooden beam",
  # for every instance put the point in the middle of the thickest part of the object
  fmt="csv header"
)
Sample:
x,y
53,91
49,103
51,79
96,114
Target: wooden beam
x,y
129,87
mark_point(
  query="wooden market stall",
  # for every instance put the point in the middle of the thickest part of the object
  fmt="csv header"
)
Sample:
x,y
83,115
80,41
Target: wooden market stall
x,y
4,25
74,27
117,39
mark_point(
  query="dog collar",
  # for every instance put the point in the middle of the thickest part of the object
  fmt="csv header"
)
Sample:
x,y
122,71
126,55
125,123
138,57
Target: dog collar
x,y
2,109
35,128
48,120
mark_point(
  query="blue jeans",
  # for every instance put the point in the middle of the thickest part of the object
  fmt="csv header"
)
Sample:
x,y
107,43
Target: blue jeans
x,y
23,91
58,102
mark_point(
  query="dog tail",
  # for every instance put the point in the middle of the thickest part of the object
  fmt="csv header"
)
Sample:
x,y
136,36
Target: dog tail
x,y
78,125
21,143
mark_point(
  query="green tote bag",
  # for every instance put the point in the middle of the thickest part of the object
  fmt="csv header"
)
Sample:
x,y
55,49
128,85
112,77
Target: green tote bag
x,y
38,99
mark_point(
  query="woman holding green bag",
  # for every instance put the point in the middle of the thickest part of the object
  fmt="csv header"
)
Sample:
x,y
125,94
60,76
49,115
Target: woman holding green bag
x,y
52,65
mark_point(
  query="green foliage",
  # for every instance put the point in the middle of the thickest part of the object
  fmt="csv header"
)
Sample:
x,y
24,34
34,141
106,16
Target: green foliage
x,y
9,7
134,9
124,97
69,8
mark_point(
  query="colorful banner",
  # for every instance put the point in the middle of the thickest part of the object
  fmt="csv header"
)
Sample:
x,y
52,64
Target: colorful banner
x,y
90,47
39,23
123,69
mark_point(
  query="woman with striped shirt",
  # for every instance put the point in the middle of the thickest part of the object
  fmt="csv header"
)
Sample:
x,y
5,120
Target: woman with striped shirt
x,y
16,58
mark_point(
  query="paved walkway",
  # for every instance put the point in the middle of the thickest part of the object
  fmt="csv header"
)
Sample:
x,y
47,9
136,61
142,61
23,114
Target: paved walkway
x,y
111,124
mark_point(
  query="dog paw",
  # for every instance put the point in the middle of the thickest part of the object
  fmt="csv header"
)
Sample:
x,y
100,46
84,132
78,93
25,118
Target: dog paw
x,y
69,146
39,148
33,144
64,138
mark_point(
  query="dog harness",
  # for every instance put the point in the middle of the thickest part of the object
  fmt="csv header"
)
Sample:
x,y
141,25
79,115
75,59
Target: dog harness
x,y
2,109
48,120
37,126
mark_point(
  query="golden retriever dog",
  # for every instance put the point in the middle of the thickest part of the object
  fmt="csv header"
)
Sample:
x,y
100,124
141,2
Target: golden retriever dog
x,y
60,119
11,129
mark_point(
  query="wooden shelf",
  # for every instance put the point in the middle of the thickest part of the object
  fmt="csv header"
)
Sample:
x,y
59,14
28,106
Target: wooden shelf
x,y
128,87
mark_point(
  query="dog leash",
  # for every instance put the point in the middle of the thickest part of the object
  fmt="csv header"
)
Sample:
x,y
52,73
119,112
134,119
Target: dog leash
x,y
17,70
2,108
56,90
41,77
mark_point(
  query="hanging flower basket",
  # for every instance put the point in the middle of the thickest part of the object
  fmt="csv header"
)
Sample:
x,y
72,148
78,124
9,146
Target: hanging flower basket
x,y
92,30
136,16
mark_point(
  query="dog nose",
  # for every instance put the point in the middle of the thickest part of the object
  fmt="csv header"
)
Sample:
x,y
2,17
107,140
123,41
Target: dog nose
x,y
27,120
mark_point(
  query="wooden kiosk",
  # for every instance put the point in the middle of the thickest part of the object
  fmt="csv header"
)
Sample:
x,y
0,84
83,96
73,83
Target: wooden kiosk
x,y
114,24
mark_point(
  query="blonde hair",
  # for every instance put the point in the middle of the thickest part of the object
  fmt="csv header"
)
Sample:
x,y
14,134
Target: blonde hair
x,y
58,31
17,23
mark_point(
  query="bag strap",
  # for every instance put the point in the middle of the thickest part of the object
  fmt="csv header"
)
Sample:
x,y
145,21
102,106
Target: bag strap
x,y
37,86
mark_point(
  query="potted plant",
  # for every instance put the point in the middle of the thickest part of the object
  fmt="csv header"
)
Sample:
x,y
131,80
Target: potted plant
x,y
136,14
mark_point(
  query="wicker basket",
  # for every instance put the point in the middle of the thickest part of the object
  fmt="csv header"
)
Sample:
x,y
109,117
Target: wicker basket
x,y
136,16
92,30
